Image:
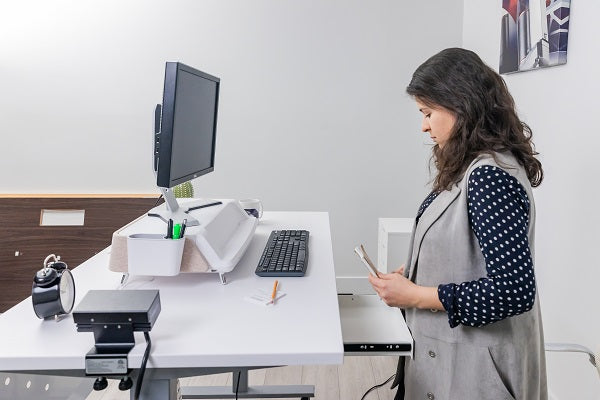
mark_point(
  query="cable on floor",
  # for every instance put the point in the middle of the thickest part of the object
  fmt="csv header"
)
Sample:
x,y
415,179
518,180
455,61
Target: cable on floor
x,y
377,386
237,386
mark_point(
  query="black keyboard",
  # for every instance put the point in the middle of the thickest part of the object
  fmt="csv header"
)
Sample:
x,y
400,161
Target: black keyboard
x,y
286,254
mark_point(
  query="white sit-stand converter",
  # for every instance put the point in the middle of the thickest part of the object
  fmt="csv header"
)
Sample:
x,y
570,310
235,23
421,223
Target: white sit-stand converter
x,y
215,243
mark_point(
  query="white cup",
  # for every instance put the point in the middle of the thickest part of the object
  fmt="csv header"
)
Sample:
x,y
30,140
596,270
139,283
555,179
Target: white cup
x,y
152,254
253,207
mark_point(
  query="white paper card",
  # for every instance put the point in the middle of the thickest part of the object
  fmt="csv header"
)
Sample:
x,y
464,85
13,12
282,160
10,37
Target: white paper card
x,y
263,297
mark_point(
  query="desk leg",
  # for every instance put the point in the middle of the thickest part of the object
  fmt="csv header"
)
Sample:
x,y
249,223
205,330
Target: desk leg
x,y
157,389
242,377
303,392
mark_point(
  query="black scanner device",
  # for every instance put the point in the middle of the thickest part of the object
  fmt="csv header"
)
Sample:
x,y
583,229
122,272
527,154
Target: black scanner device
x,y
113,316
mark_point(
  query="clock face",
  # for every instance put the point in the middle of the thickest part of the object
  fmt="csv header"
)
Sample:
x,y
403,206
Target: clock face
x,y
67,291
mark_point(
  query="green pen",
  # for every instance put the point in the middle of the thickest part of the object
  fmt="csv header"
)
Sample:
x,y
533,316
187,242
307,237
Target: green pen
x,y
177,231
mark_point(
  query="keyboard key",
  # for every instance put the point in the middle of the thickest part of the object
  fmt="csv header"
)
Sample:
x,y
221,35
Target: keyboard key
x,y
301,255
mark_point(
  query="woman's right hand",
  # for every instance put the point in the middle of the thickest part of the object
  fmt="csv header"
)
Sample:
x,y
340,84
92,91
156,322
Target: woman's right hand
x,y
396,290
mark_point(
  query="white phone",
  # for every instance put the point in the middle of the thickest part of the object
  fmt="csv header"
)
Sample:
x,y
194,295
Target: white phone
x,y
362,254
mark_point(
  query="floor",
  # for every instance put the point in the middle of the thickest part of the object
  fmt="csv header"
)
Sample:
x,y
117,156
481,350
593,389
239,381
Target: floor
x,y
348,381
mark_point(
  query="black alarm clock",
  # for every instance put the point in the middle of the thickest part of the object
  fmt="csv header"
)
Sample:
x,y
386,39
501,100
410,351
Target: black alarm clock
x,y
53,290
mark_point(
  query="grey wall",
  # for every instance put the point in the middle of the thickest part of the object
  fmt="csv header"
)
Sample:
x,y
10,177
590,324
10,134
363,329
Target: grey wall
x,y
312,91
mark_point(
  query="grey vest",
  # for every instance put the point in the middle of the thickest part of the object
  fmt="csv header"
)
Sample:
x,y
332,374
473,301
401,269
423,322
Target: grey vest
x,y
503,360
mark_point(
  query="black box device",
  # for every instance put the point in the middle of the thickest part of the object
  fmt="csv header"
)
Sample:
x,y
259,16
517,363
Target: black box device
x,y
137,307
113,316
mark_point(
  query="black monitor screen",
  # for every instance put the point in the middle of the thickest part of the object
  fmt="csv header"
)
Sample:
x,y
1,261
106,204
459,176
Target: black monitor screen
x,y
188,126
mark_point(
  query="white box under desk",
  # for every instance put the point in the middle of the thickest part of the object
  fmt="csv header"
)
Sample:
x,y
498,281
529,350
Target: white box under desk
x,y
370,327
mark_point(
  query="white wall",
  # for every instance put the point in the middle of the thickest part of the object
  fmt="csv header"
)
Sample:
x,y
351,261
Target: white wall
x,y
559,104
311,90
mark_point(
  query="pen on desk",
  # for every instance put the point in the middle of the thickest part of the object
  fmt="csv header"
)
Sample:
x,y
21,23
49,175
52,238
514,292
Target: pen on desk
x,y
183,224
274,294
169,229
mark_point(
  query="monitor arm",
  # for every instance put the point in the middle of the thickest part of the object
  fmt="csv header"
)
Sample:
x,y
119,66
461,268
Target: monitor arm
x,y
172,210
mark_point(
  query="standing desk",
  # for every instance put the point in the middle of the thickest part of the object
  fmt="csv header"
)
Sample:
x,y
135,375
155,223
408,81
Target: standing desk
x,y
204,327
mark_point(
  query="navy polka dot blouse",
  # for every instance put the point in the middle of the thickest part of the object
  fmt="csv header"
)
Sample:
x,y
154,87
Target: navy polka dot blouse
x,y
499,216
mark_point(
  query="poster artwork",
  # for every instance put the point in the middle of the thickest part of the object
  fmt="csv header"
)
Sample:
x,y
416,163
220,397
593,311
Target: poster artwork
x,y
534,34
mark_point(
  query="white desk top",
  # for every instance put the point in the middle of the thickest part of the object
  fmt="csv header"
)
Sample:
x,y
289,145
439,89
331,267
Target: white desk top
x,y
202,323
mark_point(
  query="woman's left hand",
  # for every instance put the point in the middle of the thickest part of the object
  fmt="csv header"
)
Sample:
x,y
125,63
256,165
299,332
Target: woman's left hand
x,y
395,290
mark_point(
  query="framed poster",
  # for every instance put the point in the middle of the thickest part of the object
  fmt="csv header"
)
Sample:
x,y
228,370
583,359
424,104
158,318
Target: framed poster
x,y
534,34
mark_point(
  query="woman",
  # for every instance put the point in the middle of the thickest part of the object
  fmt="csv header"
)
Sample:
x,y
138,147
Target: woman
x,y
471,252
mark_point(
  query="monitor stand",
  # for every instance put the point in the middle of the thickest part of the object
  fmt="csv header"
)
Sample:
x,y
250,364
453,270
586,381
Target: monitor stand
x,y
173,210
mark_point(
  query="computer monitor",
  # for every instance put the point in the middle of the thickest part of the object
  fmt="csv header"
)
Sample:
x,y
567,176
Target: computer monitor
x,y
185,133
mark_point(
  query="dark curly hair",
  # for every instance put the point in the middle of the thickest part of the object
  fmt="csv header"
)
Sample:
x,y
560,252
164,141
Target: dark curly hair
x,y
486,121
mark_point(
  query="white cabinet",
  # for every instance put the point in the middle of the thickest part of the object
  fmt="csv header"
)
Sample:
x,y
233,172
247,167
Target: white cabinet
x,y
393,239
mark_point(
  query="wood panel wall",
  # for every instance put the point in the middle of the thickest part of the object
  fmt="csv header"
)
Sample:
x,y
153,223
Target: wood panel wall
x,y
24,244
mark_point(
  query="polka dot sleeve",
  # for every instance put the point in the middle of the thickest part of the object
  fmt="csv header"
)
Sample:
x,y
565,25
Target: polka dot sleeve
x,y
499,216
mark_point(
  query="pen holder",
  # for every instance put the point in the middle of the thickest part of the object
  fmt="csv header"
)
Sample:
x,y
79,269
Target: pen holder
x,y
152,254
